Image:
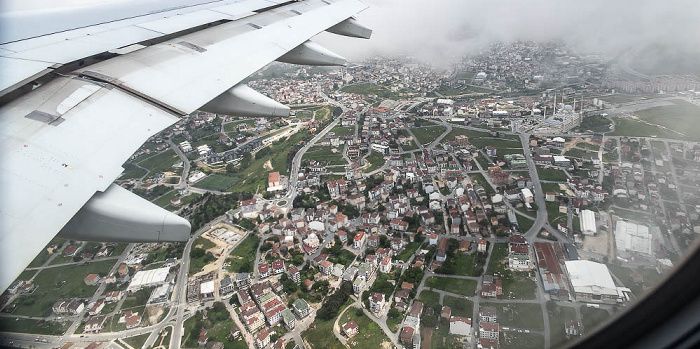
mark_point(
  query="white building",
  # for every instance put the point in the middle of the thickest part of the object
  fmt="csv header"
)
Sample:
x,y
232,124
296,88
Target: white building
x,y
632,237
592,281
588,225
186,147
148,278
460,326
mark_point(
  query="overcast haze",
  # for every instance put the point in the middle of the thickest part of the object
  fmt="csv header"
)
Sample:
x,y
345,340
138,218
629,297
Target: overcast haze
x,y
440,30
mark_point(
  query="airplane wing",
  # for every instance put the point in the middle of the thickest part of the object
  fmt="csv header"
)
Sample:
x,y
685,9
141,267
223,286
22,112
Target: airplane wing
x,y
72,113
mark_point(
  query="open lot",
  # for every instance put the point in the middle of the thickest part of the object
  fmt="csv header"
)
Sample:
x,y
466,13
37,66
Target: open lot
x,y
326,155
376,161
557,317
681,116
459,306
241,258
442,339
458,286
517,340
341,131
630,127
370,335
217,182
429,298
499,258
61,282
162,162
20,325
592,318
519,315
408,251
551,174
368,88
427,134
250,178
524,223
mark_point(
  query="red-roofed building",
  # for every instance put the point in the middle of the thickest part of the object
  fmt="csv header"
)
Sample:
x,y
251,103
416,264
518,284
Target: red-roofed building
x,y
278,267
264,270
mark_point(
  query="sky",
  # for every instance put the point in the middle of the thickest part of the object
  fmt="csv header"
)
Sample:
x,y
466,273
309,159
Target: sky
x,y
439,31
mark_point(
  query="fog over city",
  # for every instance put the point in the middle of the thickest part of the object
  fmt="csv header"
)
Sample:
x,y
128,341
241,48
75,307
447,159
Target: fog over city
x,y
439,31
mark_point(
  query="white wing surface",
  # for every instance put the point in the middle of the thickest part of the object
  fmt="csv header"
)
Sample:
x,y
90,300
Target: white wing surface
x,y
72,114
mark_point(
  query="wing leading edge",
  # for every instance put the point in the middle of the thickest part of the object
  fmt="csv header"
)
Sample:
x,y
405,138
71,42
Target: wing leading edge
x,y
64,142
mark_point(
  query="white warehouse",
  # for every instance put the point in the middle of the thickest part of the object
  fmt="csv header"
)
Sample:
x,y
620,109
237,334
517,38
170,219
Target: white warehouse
x,y
588,225
592,281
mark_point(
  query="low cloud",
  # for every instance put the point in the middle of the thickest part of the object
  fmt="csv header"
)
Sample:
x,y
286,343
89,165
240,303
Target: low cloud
x,y
440,31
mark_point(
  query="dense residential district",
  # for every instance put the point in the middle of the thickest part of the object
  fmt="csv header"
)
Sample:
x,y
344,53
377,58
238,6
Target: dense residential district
x,y
516,200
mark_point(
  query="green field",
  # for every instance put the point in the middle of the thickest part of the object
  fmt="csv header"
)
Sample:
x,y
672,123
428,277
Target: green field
x,y
480,180
517,340
341,131
459,306
254,176
164,200
370,335
233,126
376,161
557,318
408,251
427,134
456,131
241,258
429,298
320,336
325,155
519,286
519,315
61,282
592,318
367,88
463,264
553,213
218,323
505,144
458,286
162,162
551,174
550,187
621,98
217,182
442,339
449,91
632,215
595,123
524,223
681,116
499,258
132,171
630,127
137,341
20,325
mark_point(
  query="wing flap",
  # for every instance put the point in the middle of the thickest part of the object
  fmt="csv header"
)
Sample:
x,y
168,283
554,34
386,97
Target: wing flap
x,y
49,170
186,79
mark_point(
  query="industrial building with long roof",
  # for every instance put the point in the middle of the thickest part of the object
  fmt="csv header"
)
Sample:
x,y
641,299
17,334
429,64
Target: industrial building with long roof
x,y
632,237
588,225
591,281
148,278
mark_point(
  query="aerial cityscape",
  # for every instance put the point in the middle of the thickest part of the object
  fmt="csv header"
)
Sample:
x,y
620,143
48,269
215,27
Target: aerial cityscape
x,y
520,196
